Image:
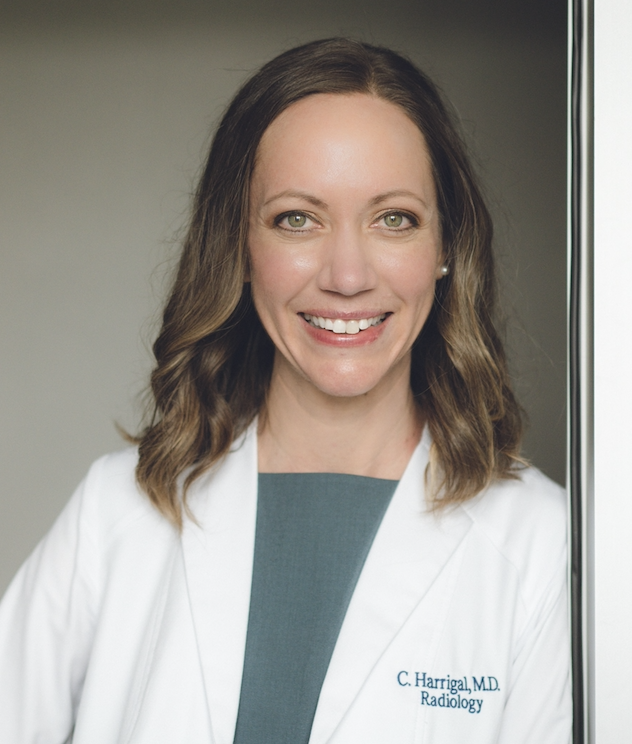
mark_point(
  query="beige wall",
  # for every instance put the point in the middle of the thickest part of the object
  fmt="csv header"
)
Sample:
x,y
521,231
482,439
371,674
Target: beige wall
x,y
104,118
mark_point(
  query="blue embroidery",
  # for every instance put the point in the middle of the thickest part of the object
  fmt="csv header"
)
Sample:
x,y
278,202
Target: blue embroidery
x,y
449,692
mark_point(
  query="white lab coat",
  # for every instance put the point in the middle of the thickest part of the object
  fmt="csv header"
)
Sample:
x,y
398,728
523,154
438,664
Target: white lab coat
x,y
457,630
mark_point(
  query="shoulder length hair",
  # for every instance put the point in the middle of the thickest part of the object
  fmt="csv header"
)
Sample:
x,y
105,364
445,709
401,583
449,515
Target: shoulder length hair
x,y
213,357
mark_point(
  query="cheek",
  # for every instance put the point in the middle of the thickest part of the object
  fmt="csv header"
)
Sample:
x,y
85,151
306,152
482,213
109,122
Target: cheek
x,y
412,278
276,275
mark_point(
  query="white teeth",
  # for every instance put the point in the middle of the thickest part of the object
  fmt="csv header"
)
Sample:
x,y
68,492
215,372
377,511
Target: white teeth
x,y
350,327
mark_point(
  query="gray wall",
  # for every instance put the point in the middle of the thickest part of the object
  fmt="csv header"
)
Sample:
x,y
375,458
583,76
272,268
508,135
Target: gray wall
x,y
106,112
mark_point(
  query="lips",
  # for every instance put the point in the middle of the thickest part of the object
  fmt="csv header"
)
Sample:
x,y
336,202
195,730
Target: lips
x,y
338,325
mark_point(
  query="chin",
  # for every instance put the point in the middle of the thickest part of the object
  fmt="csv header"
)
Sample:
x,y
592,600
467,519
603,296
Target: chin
x,y
343,386
345,392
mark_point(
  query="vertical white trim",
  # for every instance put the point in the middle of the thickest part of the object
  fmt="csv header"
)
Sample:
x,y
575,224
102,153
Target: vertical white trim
x,y
612,369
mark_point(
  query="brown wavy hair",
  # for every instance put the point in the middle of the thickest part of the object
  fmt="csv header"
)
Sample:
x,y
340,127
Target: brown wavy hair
x,y
213,357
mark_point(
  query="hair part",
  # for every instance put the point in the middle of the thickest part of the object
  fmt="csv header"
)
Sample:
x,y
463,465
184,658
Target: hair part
x,y
213,356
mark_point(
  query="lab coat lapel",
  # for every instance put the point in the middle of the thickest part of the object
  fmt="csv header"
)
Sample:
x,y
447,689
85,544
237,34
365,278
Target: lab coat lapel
x,y
409,552
218,562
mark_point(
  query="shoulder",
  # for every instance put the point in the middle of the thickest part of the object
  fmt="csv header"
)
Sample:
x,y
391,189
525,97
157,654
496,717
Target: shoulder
x,y
110,484
112,499
528,508
110,502
524,520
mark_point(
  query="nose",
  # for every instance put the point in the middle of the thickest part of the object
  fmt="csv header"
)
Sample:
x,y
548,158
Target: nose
x,y
347,266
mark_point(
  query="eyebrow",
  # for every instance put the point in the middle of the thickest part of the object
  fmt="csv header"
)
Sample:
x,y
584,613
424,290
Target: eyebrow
x,y
323,205
297,195
395,193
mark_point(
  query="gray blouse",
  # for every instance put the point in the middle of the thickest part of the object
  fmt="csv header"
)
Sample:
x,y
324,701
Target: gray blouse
x,y
314,531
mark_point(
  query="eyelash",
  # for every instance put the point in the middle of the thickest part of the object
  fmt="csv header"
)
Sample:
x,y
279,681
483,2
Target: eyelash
x,y
413,222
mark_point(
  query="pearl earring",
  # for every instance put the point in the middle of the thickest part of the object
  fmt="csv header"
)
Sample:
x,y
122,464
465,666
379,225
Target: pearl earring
x,y
445,270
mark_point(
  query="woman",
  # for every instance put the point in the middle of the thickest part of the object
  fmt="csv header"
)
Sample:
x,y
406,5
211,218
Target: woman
x,y
326,533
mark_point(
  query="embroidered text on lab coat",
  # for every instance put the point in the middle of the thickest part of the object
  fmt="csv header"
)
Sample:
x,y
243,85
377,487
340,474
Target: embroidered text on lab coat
x,y
449,692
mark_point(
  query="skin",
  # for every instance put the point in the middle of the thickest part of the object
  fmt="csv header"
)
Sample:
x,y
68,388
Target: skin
x,y
343,224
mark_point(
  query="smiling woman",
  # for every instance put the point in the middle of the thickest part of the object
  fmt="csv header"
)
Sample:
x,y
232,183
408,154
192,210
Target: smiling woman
x,y
217,355
346,544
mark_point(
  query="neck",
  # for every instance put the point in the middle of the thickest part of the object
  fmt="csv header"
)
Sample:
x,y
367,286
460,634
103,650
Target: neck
x,y
303,430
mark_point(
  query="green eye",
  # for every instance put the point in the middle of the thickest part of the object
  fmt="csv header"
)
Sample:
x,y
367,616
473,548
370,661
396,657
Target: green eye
x,y
296,220
394,220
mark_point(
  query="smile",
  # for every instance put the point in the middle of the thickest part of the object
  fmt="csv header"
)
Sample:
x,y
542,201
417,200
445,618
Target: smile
x,y
338,325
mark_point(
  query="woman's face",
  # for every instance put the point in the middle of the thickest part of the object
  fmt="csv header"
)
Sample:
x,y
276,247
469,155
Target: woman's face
x,y
344,233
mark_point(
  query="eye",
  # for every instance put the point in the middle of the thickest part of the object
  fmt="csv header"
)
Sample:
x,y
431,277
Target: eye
x,y
292,221
394,220
399,221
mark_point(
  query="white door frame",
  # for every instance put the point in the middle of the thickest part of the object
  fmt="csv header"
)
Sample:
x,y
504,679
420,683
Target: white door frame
x,y
600,385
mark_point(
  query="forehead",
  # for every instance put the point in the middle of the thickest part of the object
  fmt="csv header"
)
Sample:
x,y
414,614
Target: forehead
x,y
325,136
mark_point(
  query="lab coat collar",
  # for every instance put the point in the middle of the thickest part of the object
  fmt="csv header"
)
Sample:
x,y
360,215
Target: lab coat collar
x,y
218,556
410,550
